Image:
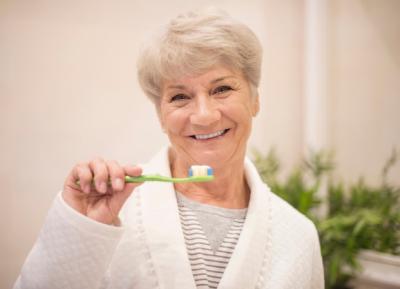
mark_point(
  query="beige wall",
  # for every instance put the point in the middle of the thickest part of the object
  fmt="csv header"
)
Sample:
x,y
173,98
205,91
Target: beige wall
x,y
68,92
364,86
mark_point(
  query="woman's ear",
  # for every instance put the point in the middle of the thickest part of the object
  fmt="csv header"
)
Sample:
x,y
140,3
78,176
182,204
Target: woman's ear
x,y
160,119
255,105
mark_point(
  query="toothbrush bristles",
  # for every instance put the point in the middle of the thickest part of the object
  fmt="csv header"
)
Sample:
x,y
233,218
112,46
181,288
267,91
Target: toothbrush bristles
x,y
197,171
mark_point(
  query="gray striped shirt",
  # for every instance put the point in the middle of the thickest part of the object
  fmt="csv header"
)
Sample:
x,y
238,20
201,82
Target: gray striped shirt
x,y
211,234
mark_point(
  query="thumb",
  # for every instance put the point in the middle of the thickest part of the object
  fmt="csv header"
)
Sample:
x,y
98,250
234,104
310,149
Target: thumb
x,y
119,198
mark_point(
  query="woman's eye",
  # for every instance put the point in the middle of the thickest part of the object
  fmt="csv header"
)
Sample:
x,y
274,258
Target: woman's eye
x,y
178,97
221,89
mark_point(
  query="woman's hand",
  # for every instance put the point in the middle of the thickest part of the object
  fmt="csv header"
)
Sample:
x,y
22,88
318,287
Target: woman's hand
x,y
101,191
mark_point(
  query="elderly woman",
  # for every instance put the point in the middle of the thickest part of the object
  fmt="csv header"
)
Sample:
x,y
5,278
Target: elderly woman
x,y
202,74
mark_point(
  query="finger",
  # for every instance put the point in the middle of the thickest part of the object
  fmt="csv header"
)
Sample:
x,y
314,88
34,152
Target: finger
x,y
117,175
119,199
100,174
83,174
133,171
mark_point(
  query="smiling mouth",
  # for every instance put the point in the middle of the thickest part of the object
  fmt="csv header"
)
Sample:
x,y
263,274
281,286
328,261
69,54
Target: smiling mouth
x,y
211,135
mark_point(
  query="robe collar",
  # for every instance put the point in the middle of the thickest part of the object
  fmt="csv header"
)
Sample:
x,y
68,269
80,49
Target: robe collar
x,y
165,237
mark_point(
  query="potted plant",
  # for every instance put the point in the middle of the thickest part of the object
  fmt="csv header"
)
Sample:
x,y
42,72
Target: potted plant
x,y
358,217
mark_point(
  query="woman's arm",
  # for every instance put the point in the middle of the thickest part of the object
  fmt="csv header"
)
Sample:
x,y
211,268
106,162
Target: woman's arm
x,y
78,240
72,251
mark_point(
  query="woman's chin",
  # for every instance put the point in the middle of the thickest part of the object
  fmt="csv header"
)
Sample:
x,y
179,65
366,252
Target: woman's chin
x,y
212,159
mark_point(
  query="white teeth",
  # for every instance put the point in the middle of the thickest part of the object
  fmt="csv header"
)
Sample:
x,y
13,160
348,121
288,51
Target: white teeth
x,y
211,135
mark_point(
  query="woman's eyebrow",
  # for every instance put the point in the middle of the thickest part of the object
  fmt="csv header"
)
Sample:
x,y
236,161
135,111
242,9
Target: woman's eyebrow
x,y
222,78
182,86
178,86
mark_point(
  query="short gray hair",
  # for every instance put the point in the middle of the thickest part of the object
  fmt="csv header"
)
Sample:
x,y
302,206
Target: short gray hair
x,y
193,43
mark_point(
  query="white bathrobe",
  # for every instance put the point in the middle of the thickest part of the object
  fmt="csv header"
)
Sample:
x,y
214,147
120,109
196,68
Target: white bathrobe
x,y
278,247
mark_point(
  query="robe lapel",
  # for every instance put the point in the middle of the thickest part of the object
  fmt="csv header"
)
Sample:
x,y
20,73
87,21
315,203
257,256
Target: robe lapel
x,y
249,259
166,242
163,229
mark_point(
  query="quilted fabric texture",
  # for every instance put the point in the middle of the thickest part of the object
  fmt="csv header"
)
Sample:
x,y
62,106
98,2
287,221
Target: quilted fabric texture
x,y
72,251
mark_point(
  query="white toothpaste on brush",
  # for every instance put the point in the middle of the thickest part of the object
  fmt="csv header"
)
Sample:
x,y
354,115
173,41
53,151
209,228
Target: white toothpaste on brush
x,y
197,170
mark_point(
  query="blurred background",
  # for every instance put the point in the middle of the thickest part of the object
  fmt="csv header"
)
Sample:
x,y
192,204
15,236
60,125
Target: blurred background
x,y
68,92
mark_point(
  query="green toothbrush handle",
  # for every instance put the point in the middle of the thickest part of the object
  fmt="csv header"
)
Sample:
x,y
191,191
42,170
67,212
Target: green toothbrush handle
x,y
144,178
158,178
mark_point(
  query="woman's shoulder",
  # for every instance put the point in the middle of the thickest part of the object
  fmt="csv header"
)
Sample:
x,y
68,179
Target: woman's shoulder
x,y
289,220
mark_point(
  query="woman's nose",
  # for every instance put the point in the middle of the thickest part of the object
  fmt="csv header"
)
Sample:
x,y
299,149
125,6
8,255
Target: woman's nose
x,y
205,112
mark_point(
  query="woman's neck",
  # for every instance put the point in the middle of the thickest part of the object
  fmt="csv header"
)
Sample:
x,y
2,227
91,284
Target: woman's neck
x,y
229,189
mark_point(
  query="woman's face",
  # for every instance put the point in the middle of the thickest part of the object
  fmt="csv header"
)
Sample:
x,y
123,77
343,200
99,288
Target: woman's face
x,y
208,117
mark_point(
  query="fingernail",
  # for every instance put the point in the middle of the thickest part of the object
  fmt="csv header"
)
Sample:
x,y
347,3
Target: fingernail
x,y
119,184
103,187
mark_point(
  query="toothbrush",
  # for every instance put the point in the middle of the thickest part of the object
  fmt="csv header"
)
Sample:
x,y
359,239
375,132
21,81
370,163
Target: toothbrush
x,y
196,174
